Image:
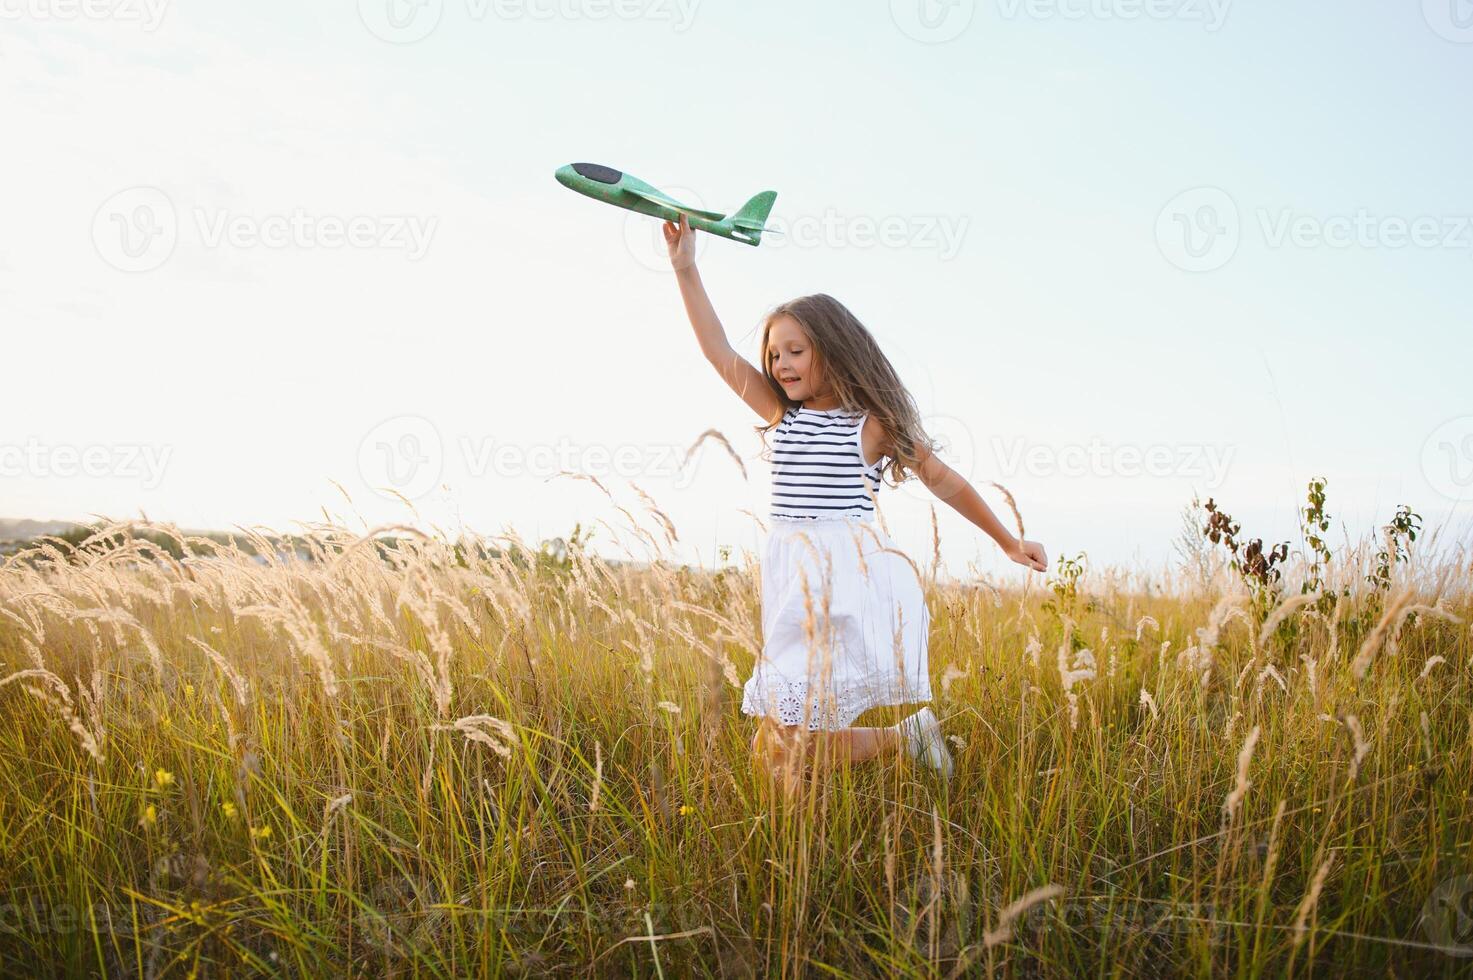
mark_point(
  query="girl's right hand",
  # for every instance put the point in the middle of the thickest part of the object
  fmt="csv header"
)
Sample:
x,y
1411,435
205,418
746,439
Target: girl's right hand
x,y
680,242
1029,554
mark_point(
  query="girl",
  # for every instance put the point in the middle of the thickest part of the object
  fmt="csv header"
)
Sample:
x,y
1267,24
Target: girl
x,y
844,619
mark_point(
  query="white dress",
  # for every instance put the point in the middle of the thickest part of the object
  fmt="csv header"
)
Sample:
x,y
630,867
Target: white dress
x,y
858,637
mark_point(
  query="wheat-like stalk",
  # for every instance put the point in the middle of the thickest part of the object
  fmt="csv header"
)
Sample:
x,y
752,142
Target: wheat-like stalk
x,y
1310,901
1240,785
237,681
1286,609
1377,635
1362,746
1147,701
1003,931
499,735
60,698
598,776
721,441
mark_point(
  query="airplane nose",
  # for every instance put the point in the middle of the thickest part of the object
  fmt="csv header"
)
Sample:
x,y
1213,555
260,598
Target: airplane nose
x,y
565,175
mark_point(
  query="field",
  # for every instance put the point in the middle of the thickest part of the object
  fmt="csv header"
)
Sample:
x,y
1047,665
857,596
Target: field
x,y
391,754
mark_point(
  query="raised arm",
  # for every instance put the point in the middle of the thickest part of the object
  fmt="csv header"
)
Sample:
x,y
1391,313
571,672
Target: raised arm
x,y
950,486
739,374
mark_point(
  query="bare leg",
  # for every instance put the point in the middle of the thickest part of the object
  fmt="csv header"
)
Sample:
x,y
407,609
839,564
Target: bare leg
x,y
847,746
786,746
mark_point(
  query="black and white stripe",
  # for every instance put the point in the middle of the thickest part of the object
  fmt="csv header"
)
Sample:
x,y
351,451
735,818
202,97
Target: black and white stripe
x,y
818,469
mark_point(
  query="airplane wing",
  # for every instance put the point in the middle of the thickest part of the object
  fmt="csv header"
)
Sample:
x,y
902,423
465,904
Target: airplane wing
x,y
664,201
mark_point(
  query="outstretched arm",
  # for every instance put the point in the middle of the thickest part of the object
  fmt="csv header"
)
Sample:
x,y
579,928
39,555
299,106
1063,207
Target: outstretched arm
x,y
735,370
950,486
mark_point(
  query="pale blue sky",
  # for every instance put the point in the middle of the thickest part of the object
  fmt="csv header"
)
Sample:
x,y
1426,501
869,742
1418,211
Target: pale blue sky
x,y
1031,169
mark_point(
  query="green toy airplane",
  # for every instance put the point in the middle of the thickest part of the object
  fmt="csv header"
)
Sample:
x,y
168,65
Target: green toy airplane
x,y
621,190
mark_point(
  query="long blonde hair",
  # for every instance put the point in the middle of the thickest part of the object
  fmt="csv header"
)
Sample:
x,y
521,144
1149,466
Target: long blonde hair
x,y
860,374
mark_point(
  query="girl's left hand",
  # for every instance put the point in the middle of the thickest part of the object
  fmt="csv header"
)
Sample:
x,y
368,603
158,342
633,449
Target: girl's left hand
x,y
1031,554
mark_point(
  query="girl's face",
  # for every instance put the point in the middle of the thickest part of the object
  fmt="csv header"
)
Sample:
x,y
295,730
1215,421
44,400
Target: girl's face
x,y
790,360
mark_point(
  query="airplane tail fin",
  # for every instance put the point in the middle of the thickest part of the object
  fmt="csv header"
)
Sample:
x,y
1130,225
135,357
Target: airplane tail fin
x,y
751,218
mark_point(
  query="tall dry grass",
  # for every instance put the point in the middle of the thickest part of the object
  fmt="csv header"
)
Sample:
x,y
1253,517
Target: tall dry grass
x,y
443,758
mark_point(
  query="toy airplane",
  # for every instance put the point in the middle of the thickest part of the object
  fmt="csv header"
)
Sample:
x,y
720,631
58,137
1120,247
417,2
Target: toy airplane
x,y
621,190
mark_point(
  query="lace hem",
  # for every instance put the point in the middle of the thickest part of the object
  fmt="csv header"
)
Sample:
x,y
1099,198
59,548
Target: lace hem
x,y
787,700
868,517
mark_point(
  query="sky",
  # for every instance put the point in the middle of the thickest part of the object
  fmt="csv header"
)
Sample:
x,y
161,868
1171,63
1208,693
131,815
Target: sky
x,y
271,263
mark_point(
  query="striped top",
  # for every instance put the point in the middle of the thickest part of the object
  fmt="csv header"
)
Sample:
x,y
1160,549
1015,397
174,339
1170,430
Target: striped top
x,y
818,470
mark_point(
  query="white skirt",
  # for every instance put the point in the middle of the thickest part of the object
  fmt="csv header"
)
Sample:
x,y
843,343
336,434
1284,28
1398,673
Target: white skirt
x,y
822,668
